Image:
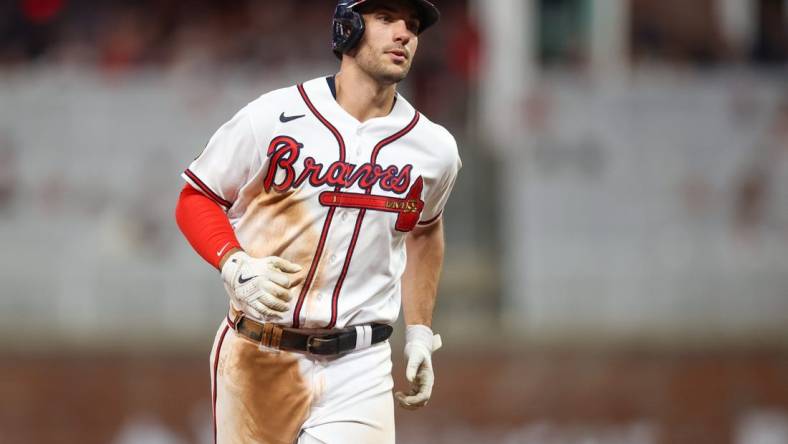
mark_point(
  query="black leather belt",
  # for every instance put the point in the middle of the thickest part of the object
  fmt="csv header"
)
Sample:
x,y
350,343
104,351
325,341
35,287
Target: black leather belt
x,y
315,341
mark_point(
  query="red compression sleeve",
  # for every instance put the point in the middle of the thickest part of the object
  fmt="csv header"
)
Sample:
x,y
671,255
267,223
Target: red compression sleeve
x,y
205,225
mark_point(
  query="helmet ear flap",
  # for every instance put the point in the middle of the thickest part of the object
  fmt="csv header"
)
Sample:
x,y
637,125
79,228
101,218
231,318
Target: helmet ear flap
x,y
347,29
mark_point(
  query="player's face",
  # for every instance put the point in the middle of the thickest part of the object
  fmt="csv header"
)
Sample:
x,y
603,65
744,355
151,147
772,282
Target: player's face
x,y
390,40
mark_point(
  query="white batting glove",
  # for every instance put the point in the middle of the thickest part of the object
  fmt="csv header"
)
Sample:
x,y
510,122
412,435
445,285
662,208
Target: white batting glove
x,y
260,287
419,345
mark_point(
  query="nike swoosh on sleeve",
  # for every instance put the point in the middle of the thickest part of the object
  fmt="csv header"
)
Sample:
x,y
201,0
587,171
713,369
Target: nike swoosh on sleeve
x,y
219,254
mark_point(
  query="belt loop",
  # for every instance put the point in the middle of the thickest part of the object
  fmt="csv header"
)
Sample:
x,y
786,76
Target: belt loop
x,y
276,337
267,334
235,318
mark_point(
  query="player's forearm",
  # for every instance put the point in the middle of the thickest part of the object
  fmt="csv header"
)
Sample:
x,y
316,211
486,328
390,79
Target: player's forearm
x,y
205,226
422,273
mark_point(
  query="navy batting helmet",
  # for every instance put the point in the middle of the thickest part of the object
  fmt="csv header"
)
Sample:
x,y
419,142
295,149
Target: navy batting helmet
x,y
348,25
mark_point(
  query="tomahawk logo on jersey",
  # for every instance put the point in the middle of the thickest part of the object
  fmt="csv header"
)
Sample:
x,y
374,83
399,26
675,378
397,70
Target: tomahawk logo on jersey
x,y
329,193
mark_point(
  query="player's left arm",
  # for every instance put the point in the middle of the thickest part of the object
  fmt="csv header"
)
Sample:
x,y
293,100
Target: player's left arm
x,y
422,272
425,247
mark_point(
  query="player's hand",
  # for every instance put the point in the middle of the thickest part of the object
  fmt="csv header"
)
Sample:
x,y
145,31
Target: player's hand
x,y
420,343
260,287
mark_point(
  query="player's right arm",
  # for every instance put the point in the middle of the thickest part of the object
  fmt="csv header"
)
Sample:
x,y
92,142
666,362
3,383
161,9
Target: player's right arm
x,y
205,226
259,287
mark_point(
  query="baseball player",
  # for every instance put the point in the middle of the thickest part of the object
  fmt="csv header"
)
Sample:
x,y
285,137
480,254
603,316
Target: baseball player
x,y
307,201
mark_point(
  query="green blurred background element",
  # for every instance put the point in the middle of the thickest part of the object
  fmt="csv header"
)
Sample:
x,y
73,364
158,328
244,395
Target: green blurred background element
x,y
617,242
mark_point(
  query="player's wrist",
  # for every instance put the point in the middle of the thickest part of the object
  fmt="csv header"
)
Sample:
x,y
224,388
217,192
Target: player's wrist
x,y
418,333
230,252
422,335
233,261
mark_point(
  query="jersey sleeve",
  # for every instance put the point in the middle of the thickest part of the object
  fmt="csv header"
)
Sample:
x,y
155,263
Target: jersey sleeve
x,y
438,196
228,161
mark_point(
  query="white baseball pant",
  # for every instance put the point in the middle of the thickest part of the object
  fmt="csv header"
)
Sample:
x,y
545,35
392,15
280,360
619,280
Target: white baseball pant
x,y
266,396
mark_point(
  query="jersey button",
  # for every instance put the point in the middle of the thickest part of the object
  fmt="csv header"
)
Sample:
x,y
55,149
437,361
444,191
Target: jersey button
x,y
333,258
343,217
320,296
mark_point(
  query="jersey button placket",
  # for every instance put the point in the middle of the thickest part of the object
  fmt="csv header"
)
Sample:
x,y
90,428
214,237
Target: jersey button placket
x,y
359,149
352,157
356,147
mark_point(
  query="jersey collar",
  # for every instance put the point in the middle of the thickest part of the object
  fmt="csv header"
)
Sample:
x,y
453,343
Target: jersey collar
x,y
323,92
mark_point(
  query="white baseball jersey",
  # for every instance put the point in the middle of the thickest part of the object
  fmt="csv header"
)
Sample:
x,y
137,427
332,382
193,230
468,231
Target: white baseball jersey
x,y
302,179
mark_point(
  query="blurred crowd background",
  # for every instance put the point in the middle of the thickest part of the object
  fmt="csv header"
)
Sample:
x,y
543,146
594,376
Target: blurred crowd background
x,y
617,242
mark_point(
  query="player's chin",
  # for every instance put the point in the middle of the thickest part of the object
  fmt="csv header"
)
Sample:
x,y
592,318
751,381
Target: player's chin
x,y
401,64
397,72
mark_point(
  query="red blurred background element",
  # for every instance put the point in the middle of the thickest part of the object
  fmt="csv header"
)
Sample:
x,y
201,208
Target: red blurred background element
x,y
42,11
482,396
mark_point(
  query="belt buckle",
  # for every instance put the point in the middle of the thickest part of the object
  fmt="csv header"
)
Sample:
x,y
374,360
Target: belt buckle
x,y
310,345
315,343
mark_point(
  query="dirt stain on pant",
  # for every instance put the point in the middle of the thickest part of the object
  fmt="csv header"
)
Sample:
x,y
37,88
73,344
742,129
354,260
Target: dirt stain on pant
x,y
269,398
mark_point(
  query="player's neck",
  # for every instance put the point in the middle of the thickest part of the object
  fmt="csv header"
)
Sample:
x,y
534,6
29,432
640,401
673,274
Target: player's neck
x,y
362,96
